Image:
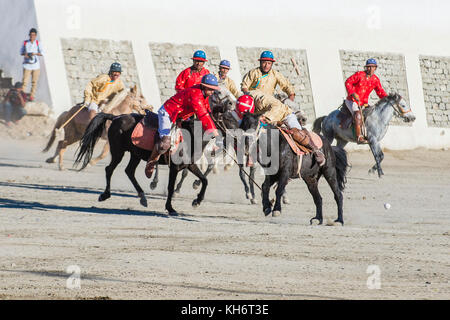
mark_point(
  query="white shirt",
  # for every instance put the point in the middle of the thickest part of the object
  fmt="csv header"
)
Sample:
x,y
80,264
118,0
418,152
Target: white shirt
x,y
31,47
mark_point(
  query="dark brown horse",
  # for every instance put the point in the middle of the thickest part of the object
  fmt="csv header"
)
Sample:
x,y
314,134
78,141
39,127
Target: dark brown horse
x,y
119,137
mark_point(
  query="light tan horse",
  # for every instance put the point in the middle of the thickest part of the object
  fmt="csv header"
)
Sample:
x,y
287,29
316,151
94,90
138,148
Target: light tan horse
x,y
123,103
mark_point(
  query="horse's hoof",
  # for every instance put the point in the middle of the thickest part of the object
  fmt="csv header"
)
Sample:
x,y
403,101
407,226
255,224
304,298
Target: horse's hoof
x,y
62,169
195,203
173,213
267,211
104,196
315,221
143,201
276,213
92,163
286,200
338,223
227,167
196,184
153,185
253,201
50,160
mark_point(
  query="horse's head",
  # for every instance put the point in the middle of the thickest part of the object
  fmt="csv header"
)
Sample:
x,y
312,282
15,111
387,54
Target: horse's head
x,y
137,101
221,100
250,121
401,108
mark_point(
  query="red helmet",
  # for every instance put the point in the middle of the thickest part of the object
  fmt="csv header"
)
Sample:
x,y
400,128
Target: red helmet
x,y
245,104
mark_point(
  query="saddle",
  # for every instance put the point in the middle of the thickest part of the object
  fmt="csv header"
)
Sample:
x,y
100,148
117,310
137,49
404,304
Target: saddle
x,y
346,120
145,134
295,146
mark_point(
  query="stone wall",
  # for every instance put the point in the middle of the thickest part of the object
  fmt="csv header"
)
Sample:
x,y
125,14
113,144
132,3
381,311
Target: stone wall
x,y
85,59
391,71
436,90
170,59
248,59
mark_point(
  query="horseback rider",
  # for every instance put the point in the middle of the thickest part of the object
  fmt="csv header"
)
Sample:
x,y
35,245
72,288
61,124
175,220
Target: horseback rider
x,y
222,77
260,83
183,105
265,79
193,75
104,87
359,86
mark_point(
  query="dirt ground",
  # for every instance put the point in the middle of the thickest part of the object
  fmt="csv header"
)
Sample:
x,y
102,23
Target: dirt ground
x,y
226,248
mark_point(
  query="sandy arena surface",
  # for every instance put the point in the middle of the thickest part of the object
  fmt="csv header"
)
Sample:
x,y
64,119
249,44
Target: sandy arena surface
x,y
226,248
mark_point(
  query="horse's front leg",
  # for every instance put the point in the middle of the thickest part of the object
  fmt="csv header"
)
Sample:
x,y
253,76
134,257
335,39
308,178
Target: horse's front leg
x,y
198,173
173,172
378,155
281,188
197,182
180,183
155,181
252,184
267,205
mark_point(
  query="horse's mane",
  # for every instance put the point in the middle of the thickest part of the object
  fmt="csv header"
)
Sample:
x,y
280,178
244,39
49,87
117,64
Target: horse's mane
x,y
115,101
391,96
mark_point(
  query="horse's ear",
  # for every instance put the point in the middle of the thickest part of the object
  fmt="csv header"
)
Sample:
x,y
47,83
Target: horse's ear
x,y
133,90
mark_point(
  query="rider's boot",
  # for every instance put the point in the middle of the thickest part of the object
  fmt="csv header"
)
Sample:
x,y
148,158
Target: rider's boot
x,y
160,148
357,120
303,138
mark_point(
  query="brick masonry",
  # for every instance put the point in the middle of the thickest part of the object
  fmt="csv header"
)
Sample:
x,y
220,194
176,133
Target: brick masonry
x,y
85,59
391,71
170,59
248,59
436,89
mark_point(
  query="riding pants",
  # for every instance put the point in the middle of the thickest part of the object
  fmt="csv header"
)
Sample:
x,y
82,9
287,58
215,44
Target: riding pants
x,y
164,122
352,106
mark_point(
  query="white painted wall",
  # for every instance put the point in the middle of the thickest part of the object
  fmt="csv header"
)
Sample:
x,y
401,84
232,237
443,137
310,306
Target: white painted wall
x,y
16,20
321,27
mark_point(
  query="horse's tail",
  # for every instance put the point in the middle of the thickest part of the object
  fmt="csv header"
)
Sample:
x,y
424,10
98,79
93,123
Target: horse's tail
x,y
58,125
317,125
93,132
341,166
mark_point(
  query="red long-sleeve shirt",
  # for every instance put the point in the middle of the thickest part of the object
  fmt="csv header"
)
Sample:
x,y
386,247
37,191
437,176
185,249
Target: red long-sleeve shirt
x,y
188,78
188,102
363,85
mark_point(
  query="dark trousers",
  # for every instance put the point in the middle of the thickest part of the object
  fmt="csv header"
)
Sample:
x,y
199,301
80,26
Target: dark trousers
x,y
13,112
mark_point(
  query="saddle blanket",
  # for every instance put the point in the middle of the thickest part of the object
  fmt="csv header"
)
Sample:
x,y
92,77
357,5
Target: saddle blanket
x,y
144,137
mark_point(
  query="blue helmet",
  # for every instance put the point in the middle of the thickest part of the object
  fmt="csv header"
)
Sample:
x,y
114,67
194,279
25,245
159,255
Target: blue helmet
x,y
199,55
210,81
266,55
115,67
225,64
371,62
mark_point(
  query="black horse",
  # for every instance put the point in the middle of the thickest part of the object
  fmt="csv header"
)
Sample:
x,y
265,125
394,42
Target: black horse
x,y
119,136
334,170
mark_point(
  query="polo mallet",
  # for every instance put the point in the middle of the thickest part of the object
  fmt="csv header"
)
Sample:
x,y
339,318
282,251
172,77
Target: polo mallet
x,y
73,116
